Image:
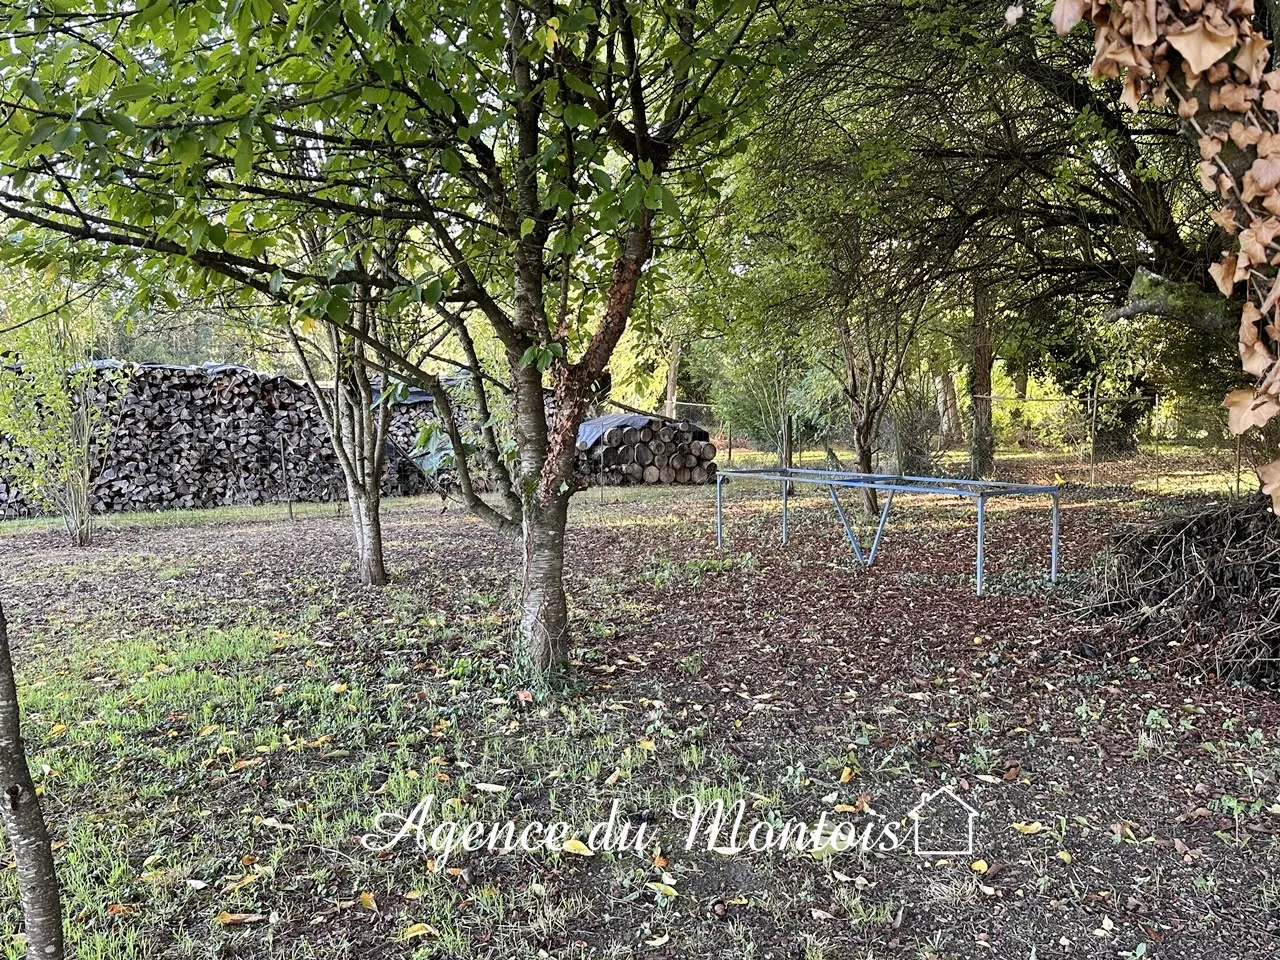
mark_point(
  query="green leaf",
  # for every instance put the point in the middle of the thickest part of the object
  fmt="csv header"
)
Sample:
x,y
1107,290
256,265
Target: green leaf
x,y
134,91
579,116
244,157
32,90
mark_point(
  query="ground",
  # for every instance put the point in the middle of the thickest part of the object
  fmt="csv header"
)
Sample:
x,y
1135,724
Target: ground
x,y
218,713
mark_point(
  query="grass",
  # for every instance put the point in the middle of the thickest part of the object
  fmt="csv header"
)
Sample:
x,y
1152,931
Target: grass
x,y
218,720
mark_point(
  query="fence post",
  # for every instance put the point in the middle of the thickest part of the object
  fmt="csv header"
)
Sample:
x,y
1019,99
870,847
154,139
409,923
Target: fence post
x,y
1155,424
1237,465
1093,440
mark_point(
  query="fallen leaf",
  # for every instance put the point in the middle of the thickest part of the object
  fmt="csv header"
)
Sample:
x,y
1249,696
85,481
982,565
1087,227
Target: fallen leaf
x,y
239,919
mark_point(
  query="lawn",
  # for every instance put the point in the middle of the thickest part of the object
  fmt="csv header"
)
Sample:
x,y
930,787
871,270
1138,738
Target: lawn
x,y
218,715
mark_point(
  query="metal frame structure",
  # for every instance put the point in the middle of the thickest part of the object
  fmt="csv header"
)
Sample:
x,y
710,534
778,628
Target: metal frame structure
x,y
979,491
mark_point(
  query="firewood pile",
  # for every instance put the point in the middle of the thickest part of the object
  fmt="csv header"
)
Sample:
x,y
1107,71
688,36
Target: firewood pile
x,y
621,449
191,437
188,437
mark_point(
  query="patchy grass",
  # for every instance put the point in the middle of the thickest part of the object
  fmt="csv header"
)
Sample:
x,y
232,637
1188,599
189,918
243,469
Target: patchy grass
x,y
218,715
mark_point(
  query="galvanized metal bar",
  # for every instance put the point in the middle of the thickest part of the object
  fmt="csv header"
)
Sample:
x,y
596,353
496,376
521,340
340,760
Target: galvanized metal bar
x,y
977,490
994,487
1053,544
719,511
785,485
982,529
848,531
850,483
884,517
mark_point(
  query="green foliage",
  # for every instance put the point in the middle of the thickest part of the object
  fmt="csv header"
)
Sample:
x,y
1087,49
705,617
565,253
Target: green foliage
x,y
54,416
239,118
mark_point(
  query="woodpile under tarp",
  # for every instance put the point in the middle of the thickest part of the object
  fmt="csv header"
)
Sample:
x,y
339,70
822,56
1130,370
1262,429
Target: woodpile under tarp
x,y
622,448
188,437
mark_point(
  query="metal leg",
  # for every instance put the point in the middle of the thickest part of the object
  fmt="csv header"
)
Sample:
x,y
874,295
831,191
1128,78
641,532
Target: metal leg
x,y
719,514
982,529
785,484
1053,544
884,516
848,531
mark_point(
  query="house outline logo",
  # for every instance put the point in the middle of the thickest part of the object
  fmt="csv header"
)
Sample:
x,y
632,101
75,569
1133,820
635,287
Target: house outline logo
x,y
921,810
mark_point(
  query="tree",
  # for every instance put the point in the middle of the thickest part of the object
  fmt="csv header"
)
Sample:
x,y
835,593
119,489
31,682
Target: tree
x,y
536,154
357,417
54,404
1210,61
24,823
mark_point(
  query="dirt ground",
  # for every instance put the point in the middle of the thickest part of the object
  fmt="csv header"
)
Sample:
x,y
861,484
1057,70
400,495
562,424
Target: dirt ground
x,y
220,713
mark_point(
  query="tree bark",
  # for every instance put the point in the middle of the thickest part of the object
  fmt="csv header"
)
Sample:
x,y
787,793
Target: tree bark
x,y
544,611
673,379
982,444
1021,379
366,521
864,449
358,427
948,407
24,823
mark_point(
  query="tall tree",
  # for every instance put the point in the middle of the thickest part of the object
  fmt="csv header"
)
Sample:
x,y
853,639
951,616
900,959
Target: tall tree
x,y
538,153
24,823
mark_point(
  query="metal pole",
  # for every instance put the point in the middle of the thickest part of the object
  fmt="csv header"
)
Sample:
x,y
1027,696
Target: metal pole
x,y
1155,421
1053,544
884,516
982,526
848,531
728,428
719,521
1237,465
1093,441
785,485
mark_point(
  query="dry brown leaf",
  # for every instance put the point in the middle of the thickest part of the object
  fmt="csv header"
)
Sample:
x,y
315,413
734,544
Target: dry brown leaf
x,y
1269,474
239,919
1255,358
1201,46
1245,410
1143,13
1224,272
1210,146
1243,136
1066,14
1252,56
1237,98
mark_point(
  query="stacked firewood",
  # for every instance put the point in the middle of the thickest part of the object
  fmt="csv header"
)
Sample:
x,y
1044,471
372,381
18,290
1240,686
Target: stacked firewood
x,y
187,437
190,437
647,451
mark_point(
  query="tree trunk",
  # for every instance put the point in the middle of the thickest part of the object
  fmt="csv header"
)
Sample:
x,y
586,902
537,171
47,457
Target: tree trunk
x,y
864,449
358,426
366,522
982,444
24,823
673,377
948,407
544,612
1021,379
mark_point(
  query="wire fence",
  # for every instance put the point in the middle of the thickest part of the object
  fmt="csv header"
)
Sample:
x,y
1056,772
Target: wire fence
x,y
1146,443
